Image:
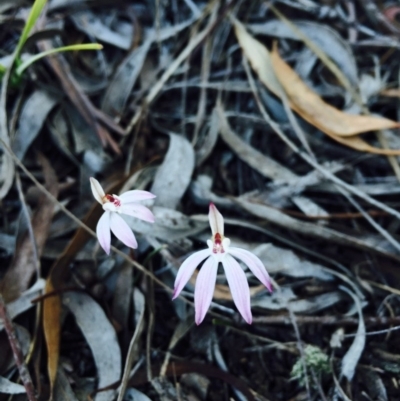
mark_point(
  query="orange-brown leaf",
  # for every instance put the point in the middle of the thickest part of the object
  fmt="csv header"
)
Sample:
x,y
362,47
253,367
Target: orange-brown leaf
x,y
319,113
281,80
51,328
359,144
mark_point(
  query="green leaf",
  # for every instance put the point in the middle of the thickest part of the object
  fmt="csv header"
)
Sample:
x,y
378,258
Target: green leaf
x,y
31,60
30,23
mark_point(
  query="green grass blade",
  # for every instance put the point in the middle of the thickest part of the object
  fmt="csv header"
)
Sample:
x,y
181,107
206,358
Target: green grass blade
x,y
30,23
31,60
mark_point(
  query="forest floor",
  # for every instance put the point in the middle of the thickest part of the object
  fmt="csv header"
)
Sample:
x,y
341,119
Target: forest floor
x,y
282,114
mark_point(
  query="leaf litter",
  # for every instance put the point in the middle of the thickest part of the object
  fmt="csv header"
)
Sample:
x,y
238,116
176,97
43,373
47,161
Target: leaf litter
x,y
170,106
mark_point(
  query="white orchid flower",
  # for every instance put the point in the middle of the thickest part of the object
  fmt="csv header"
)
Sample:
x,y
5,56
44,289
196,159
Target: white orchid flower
x,y
219,250
111,220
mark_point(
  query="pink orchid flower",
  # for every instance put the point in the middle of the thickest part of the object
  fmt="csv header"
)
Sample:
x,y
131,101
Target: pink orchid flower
x,y
113,206
219,250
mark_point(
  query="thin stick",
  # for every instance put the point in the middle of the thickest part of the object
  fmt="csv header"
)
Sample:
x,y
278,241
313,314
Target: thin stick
x,y
17,352
131,353
300,348
327,320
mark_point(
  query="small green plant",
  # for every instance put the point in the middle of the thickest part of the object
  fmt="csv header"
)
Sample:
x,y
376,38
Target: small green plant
x,y
316,361
19,66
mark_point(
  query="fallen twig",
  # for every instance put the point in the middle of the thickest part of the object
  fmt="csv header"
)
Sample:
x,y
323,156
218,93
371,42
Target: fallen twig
x,y
17,352
326,320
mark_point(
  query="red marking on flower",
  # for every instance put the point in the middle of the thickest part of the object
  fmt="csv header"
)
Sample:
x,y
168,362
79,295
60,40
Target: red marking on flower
x,y
112,199
217,247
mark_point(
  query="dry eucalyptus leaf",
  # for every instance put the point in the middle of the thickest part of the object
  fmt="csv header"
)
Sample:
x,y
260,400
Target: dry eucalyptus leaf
x,y
353,354
282,300
33,115
174,175
132,394
59,131
122,294
24,302
200,191
263,164
9,387
93,26
83,134
279,260
380,188
7,170
323,35
123,81
309,207
317,112
170,31
52,330
169,225
101,338
376,386
315,304
259,58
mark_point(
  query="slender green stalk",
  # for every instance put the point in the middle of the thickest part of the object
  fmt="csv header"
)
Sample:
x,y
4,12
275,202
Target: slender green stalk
x,y
31,60
30,23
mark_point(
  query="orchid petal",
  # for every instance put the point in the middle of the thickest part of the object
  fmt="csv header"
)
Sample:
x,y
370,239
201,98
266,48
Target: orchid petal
x,y
239,287
254,264
122,231
138,211
103,232
136,195
204,289
187,268
216,220
97,190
